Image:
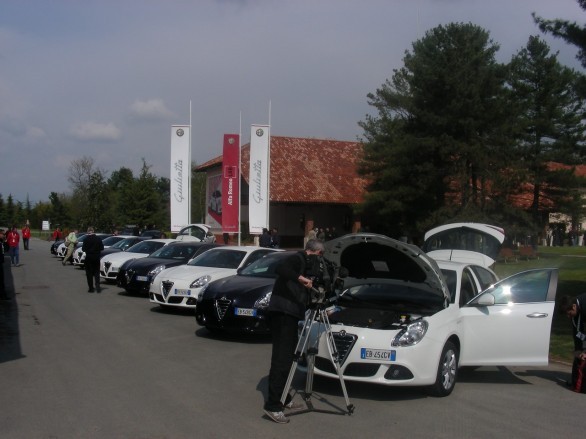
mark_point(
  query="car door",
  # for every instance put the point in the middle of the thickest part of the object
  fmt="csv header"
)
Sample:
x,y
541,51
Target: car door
x,y
509,324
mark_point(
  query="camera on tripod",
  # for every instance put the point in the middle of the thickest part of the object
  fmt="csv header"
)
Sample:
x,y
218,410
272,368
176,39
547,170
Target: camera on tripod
x,y
326,278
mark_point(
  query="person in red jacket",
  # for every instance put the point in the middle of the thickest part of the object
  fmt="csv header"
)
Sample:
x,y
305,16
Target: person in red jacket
x,y
13,239
26,235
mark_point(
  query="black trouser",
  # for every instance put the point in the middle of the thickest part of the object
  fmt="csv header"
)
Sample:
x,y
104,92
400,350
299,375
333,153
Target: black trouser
x,y
284,330
92,272
3,294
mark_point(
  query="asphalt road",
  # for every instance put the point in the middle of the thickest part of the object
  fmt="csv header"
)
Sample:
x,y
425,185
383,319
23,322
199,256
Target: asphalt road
x,y
110,365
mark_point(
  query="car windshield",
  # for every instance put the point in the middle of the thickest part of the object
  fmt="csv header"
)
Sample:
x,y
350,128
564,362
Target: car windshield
x,y
180,252
264,267
146,247
111,240
125,243
219,259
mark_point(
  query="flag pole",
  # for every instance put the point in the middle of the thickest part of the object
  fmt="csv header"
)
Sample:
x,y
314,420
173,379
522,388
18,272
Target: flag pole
x,y
239,177
269,172
189,175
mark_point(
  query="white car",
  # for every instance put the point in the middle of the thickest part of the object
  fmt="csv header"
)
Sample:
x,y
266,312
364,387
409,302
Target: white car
x,y
110,264
179,286
403,319
79,255
196,232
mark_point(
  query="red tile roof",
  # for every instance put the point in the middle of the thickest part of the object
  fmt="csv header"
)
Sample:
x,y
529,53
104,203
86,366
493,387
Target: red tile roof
x,y
309,170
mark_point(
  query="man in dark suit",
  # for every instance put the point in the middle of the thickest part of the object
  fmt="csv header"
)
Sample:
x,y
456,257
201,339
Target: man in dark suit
x,y
92,246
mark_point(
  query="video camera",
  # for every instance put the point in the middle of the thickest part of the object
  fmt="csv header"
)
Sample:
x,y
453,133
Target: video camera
x,y
326,278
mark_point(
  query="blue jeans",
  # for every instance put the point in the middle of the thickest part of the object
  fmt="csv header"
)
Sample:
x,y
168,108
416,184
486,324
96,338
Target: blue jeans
x,y
14,255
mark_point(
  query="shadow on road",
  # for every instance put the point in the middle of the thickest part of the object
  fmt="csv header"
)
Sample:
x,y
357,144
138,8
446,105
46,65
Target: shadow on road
x,y
10,348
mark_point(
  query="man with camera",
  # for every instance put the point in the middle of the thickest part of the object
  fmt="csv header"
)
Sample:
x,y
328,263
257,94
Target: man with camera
x,y
289,301
575,309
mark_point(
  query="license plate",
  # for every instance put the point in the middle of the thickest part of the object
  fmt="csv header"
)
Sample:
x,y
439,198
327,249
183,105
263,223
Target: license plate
x,y
251,312
178,292
377,354
142,278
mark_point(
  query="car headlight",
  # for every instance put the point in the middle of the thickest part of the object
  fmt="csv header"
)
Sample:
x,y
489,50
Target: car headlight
x,y
153,273
263,302
200,281
200,294
412,334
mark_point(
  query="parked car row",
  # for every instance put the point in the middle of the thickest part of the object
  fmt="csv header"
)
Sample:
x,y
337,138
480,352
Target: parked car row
x,y
400,315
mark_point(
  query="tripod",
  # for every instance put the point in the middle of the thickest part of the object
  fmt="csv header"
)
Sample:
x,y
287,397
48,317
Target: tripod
x,y
318,312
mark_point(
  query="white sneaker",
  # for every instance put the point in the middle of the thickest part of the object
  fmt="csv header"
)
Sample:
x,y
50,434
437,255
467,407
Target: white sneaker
x,y
278,417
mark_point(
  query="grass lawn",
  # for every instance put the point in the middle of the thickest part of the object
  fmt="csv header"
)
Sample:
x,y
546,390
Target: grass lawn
x,y
571,262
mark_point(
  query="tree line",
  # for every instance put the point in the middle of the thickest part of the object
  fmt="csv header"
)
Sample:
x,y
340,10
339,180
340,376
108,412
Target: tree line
x,y
107,203
457,136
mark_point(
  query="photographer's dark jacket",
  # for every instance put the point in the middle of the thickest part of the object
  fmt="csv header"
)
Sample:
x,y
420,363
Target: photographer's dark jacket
x,y
287,297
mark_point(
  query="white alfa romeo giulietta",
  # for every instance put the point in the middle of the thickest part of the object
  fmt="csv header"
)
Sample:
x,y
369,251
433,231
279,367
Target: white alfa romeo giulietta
x,y
404,319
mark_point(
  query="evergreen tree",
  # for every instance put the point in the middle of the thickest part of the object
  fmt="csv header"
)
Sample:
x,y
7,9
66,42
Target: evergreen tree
x,y
439,132
550,121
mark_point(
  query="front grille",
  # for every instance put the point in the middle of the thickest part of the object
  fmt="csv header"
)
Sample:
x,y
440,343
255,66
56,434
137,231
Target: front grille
x,y
129,274
361,369
344,343
166,286
221,306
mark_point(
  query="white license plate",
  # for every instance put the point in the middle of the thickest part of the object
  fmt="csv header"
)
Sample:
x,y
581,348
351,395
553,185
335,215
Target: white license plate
x,y
142,278
245,312
377,354
178,292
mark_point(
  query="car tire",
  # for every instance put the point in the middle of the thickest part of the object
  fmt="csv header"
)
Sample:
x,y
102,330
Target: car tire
x,y
447,371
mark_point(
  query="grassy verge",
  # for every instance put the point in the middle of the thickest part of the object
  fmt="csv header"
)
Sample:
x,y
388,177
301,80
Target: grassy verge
x,y
571,262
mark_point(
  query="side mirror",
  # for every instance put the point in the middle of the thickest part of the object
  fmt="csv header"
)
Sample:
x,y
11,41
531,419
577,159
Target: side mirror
x,y
486,299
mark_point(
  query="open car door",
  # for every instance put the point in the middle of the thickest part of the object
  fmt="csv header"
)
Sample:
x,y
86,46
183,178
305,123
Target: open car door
x,y
509,324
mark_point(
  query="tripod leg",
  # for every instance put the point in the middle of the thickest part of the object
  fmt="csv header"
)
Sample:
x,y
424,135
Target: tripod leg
x,y
334,357
301,344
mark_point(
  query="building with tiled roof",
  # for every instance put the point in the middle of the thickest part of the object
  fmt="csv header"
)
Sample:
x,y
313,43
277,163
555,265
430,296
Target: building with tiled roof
x,y
313,183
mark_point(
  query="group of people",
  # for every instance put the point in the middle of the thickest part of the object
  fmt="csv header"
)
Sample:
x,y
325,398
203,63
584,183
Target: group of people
x,y
92,246
322,234
10,241
270,238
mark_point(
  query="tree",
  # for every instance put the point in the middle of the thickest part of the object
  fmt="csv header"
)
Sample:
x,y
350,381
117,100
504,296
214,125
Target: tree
x,y
198,195
572,32
10,210
58,212
439,132
550,125
146,208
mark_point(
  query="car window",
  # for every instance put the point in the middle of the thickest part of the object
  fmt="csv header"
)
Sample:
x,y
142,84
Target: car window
x,y
111,240
146,247
484,276
451,278
265,267
468,288
182,252
525,287
255,256
219,259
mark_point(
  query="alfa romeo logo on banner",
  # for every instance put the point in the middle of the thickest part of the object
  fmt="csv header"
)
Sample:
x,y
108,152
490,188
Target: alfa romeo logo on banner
x,y
180,132
259,132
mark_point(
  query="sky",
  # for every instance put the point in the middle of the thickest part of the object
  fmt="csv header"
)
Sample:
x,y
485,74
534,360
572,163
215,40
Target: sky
x,y
108,78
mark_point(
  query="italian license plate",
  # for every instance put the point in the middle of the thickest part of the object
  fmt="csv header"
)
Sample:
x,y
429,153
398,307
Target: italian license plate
x,y
179,292
378,354
142,278
251,312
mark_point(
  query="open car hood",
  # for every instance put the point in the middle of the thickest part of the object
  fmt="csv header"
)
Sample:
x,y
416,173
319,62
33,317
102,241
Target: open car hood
x,y
372,258
472,243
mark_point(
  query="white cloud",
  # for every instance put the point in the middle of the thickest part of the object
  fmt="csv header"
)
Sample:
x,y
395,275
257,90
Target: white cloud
x,y
153,109
92,131
33,133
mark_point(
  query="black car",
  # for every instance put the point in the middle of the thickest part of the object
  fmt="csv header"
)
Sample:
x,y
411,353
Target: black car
x,y
122,246
239,303
135,275
156,234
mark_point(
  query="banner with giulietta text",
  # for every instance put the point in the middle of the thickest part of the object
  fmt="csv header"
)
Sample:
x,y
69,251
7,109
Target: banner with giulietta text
x,y
180,177
258,181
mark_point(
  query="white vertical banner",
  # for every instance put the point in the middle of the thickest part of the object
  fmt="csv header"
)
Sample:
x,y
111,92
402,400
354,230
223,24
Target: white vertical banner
x,y
258,192
180,176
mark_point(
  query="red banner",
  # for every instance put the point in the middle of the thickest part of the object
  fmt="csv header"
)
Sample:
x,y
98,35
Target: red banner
x,y
230,183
